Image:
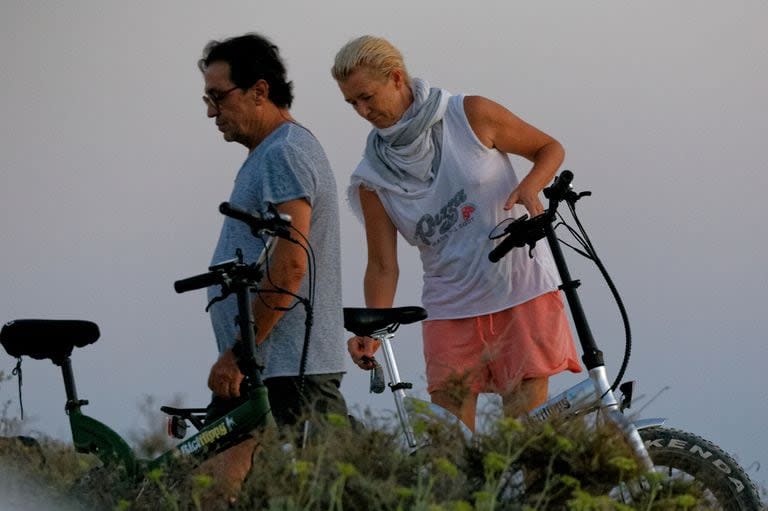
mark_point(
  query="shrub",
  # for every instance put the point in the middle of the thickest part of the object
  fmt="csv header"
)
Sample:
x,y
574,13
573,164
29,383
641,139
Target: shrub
x,y
514,465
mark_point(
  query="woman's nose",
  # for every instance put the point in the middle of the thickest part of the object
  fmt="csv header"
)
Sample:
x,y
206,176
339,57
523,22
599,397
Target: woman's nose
x,y
362,110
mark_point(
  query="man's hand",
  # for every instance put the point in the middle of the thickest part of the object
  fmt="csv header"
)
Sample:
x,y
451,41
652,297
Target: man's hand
x,y
225,377
361,349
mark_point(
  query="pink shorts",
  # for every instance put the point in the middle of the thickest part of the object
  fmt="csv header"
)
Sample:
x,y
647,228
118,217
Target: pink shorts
x,y
495,352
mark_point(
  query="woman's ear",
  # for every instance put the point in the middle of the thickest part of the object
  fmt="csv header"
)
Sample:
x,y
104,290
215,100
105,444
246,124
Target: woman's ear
x,y
398,76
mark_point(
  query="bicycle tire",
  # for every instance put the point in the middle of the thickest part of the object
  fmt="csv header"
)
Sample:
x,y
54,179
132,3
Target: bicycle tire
x,y
682,455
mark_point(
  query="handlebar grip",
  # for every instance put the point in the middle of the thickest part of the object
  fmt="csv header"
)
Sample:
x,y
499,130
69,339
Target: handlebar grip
x,y
227,209
502,248
197,282
271,221
560,187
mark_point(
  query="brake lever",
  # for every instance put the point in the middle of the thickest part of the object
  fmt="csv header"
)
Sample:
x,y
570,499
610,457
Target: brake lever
x,y
219,298
531,246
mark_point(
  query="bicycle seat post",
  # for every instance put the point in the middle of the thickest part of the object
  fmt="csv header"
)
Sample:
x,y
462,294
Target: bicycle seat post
x,y
73,402
396,385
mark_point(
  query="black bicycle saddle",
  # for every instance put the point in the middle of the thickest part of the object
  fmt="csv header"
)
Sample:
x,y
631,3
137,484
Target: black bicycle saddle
x,y
47,338
365,321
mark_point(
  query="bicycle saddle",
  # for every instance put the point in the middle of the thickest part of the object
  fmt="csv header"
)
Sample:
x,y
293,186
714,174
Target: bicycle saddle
x,y
47,338
364,321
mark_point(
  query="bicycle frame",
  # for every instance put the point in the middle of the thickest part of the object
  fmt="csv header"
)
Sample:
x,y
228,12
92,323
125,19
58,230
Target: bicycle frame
x,y
90,435
582,398
591,394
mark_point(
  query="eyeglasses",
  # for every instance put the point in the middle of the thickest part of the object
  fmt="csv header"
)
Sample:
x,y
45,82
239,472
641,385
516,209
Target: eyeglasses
x,y
214,98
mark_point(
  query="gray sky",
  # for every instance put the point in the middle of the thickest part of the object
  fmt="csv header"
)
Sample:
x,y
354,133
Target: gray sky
x,y
110,176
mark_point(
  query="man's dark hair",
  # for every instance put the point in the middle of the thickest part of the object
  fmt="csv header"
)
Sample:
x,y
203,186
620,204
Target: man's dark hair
x,y
251,57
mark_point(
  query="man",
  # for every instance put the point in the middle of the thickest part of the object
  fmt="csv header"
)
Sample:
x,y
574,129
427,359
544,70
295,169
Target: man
x,y
247,94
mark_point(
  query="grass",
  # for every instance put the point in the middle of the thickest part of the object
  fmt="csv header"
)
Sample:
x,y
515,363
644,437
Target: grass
x,y
512,466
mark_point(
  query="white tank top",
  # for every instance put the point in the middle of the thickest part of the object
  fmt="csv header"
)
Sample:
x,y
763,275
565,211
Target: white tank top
x,y
451,220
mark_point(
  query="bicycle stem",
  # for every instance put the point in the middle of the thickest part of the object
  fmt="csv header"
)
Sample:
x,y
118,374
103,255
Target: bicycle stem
x,y
592,357
246,323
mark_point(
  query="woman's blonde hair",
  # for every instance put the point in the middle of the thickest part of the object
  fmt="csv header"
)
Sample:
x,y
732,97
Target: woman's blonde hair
x,y
374,53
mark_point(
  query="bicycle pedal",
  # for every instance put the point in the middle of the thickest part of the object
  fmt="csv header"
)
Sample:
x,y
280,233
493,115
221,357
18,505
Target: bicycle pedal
x,y
378,384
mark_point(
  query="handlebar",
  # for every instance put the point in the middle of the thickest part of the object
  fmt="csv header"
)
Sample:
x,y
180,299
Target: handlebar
x,y
519,233
524,231
560,187
272,221
229,274
198,281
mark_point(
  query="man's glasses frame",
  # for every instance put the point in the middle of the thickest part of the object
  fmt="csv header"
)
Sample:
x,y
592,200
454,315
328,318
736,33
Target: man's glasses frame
x,y
214,98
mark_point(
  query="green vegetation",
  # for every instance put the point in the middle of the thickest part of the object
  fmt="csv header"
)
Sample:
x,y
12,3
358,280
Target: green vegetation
x,y
513,466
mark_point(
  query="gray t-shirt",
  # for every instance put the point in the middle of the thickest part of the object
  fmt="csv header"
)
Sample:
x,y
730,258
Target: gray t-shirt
x,y
289,164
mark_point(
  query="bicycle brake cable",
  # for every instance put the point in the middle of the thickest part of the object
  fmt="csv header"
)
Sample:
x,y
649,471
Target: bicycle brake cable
x,y
307,302
17,372
590,253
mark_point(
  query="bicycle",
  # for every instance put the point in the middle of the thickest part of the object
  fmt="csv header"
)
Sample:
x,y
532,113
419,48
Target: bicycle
x,y
55,340
675,453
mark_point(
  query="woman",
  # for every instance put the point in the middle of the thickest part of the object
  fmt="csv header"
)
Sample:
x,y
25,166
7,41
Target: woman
x,y
436,169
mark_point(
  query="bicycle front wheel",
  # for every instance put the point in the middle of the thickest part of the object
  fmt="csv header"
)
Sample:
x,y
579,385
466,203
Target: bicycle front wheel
x,y
683,456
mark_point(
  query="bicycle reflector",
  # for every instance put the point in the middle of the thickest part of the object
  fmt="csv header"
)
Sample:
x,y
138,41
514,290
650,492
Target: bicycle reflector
x,y
177,427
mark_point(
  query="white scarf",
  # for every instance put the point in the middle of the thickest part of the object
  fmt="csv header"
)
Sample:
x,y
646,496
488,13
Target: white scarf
x,y
404,157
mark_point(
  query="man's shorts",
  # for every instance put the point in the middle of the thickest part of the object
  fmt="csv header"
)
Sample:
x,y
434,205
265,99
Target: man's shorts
x,y
320,396
495,352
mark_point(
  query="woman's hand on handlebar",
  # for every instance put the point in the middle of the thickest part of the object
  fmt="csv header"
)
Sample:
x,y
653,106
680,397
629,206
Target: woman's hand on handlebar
x,y
225,377
528,197
362,349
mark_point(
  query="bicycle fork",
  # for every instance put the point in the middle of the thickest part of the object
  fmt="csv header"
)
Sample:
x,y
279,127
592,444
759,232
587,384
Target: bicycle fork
x,y
610,405
592,393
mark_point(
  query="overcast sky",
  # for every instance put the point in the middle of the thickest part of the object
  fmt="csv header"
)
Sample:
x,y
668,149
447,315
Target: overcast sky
x,y
110,177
